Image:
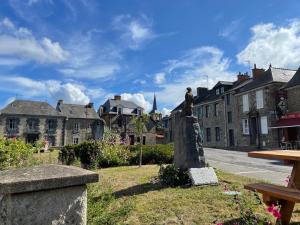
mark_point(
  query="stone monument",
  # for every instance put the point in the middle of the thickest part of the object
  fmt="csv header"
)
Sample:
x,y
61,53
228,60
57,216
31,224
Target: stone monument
x,y
189,154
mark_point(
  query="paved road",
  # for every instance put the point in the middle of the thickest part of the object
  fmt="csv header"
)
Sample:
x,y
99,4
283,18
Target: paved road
x,y
239,163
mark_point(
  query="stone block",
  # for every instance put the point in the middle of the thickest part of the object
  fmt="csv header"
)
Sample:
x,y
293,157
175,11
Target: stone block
x,y
42,195
203,176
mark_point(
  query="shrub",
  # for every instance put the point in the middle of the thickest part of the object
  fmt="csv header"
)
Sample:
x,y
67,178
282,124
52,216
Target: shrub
x,y
173,176
15,153
153,154
113,155
88,153
67,155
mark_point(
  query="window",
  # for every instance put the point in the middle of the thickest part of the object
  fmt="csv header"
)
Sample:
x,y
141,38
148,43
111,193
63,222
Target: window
x,y
259,99
218,136
30,125
75,140
222,90
245,103
119,111
76,126
12,124
51,125
217,91
208,135
139,112
229,117
206,111
264,124
216,109
228,99
245,126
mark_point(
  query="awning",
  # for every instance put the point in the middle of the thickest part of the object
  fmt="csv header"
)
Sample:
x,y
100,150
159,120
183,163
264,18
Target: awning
x,y
287,122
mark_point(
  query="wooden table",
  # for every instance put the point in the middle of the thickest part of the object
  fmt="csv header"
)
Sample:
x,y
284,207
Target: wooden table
x,y
290,157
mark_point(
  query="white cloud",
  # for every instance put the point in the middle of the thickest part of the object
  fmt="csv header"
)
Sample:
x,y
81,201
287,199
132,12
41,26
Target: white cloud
x,y
70,92
139,81
93,72
159,78
89,59
139,99
134,31
231,30
19,43
166,112
273,44
197,67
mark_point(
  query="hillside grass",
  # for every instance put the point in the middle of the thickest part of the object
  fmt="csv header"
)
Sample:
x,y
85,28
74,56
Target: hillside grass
x,y
131,195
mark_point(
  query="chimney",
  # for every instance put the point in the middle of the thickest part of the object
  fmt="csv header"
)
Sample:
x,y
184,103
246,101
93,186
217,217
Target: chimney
x,y
242,77
201,91
60,102
117,97
257,72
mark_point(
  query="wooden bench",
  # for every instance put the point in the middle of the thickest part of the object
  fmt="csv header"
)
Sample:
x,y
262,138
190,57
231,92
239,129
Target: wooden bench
x,y
273,192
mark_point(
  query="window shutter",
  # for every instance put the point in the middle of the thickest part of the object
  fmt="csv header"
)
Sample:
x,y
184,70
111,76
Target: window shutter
x,y
259,99
264,124
245,103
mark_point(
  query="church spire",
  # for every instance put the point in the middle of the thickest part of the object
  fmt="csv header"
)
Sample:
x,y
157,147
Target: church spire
x,y
154,107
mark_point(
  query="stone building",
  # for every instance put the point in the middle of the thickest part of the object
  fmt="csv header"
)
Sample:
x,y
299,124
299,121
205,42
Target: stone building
x,y
118,115
243,114
256,104
287,125
35,120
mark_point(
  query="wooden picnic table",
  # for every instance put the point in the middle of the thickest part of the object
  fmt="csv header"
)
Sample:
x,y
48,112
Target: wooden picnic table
x,y
287,196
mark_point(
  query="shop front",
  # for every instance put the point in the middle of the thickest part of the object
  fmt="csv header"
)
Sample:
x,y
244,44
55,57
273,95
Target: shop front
x,y
289,131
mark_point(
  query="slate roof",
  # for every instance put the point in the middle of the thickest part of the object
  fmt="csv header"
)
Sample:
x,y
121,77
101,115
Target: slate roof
x,y
295,81
111,103
271,75
78,111
26,107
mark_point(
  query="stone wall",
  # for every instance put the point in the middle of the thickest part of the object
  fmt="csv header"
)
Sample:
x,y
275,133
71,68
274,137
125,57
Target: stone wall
x,y
213,121
269,140
87,129
293,96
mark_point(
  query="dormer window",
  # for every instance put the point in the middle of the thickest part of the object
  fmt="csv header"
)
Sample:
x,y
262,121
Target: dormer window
x,y
139,112
222,90
217,91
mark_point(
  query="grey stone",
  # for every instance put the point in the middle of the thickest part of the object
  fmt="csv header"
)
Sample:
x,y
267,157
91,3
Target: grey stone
x,y
44,195
188,149
203,176
43,178
51,207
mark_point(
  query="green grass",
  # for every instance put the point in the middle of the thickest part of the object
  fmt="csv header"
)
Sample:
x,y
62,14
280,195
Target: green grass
x,y
128,195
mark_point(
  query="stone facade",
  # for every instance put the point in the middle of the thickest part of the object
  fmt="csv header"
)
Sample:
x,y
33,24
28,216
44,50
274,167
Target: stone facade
x,y
118,115
243,114
33,121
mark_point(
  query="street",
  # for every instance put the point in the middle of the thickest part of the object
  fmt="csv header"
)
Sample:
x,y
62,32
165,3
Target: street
x,y
240,164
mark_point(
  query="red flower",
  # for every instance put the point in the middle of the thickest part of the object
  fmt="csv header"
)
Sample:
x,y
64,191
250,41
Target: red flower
x,y
271,208
276,214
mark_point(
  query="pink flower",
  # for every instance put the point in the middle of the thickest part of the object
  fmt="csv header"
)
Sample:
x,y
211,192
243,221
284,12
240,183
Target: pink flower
x,y
271,208
276,214
287,179
220,224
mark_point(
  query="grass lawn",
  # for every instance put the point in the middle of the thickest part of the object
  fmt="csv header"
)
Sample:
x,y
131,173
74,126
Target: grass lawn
x,y
128,195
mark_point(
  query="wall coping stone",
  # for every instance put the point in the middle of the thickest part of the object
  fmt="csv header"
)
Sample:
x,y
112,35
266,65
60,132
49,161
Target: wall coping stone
x,y
44,177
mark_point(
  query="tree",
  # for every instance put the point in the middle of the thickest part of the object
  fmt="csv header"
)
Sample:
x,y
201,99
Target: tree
x,y
140,122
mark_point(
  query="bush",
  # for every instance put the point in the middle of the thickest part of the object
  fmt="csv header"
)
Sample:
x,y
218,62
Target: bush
x,y
173,176
153,154
88,153
15,153
67,155
113,155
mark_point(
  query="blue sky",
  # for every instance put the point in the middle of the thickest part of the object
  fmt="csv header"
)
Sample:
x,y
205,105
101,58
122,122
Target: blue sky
x,y
89,50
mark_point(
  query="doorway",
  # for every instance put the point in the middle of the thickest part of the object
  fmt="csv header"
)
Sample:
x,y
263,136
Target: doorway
x,y
231,137
253,131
